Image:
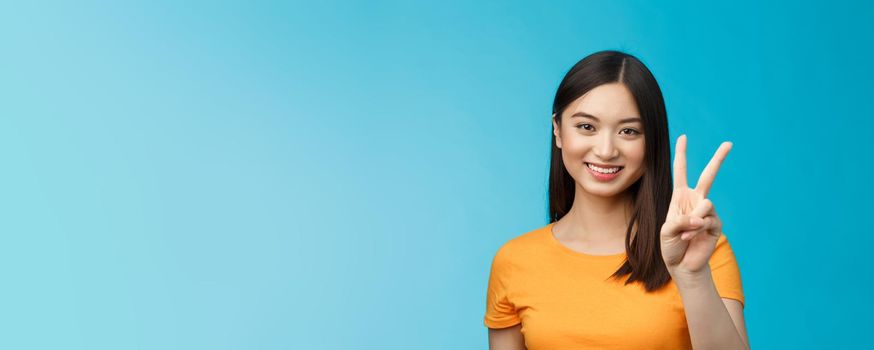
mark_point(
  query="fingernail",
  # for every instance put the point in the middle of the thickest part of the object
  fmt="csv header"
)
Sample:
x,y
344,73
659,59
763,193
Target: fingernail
x,y
696,221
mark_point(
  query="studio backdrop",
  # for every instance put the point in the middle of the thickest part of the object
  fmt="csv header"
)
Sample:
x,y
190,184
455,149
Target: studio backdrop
x,y
340,174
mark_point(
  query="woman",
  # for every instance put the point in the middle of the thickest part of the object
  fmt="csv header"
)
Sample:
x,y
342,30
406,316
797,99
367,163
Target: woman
x,y
629,261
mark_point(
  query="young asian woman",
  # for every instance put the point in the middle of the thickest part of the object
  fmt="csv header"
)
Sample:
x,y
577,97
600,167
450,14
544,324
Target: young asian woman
x,y
630,259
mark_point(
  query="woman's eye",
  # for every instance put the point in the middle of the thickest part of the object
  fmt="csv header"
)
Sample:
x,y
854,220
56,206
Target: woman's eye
x,y
585,126
630,131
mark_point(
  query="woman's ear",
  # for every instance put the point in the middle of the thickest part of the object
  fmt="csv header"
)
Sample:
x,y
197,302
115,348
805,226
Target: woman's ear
x,y
555,131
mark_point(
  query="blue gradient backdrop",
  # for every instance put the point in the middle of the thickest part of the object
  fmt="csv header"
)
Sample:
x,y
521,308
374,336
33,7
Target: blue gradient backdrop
x,y
338,175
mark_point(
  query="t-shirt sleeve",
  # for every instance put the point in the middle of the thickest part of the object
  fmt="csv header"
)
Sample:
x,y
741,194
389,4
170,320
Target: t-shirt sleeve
x,y
500,311
725,271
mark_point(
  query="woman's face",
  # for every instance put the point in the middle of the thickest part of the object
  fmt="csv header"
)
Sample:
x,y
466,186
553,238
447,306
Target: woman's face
x,y
601,140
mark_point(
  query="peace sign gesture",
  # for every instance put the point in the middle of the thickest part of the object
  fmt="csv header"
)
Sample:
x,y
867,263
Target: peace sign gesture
x,y
691,229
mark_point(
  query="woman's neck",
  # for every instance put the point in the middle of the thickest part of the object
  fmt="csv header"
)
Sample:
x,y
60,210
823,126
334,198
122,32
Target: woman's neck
x,y
598,219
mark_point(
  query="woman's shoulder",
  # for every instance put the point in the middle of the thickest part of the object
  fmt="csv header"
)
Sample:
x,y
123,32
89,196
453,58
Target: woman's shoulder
x,y
524,243
723,250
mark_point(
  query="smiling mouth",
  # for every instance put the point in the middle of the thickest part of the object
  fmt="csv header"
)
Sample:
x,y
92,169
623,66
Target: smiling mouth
x,y
604,170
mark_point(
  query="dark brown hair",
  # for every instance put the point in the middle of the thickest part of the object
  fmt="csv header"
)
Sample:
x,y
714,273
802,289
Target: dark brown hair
x,y
652,192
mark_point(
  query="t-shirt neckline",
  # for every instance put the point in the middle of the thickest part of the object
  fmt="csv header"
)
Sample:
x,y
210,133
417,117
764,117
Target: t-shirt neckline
x,y
553,241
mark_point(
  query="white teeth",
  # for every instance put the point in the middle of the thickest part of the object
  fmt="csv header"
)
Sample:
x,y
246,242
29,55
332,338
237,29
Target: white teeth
x,y
602,170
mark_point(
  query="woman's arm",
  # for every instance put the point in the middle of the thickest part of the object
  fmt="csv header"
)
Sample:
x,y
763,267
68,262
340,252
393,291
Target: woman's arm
x,y
688,239
714,322
509,338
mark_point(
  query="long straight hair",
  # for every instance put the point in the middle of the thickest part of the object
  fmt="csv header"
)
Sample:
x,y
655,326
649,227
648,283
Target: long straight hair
x,y
652,192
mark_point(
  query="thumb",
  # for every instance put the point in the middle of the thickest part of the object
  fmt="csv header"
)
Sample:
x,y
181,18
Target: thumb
x,y
680,224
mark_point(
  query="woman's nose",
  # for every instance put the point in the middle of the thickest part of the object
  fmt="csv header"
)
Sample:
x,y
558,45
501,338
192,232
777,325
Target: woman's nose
x,y
605,149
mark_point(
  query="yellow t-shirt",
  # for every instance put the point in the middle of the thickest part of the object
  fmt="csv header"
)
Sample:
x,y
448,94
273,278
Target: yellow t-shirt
x,y
566,299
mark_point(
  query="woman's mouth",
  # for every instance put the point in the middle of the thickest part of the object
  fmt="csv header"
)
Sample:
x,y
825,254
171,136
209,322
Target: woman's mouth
x,y
603,173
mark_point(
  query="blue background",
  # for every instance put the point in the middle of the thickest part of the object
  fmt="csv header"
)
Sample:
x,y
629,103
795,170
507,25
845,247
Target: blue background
x,y
267,175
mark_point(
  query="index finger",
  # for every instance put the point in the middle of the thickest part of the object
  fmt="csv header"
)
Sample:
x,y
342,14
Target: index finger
x,y
705,181
680,163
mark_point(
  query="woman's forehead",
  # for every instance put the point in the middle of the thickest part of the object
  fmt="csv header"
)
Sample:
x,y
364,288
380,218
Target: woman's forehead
x,y
608,102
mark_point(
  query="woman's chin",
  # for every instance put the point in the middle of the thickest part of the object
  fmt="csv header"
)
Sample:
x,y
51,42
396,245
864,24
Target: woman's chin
x,y
604,190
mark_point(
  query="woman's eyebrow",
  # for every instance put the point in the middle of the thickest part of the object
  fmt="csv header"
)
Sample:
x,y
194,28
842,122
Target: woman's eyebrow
x,y
587,115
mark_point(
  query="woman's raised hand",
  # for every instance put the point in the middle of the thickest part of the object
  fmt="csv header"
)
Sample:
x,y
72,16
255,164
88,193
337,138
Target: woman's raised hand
x,y
691,229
